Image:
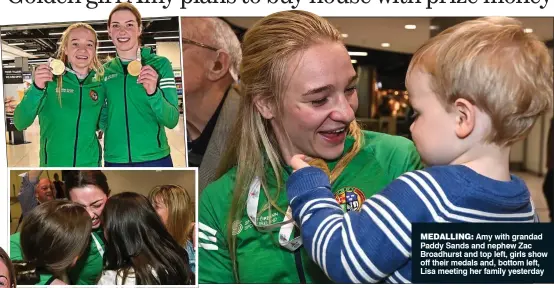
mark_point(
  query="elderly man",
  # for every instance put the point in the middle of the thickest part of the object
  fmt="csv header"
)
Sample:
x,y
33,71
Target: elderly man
x,y
211,59
34,191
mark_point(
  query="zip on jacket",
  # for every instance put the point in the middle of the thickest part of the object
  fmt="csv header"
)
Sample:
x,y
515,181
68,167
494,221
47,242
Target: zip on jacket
x,y
134,122
67,125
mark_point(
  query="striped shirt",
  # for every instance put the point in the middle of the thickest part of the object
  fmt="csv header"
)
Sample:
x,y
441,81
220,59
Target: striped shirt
x,y
374,244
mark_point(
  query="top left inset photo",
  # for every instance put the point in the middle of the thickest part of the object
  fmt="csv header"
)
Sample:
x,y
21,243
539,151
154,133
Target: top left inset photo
x,y
94,93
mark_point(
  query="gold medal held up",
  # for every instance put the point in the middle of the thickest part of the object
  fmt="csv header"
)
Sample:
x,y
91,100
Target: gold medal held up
x,y
135,66
57,66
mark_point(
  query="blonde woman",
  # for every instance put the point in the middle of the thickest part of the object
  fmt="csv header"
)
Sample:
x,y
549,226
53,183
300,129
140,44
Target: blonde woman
x,y
68,105
299,97
53,237
176,209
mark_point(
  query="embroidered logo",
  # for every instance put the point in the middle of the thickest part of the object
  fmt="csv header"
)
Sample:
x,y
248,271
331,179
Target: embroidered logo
x,y
93,95
110,77
350,198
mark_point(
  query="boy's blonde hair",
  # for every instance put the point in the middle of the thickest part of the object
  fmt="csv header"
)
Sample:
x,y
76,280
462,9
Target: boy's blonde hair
x,y
495,65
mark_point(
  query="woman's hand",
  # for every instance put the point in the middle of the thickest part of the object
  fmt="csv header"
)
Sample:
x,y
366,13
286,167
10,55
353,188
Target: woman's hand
x,y
148,77
43,74
299,161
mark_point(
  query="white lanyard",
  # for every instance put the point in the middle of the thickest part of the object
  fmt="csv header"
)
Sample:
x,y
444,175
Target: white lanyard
x,y
98,246
287,225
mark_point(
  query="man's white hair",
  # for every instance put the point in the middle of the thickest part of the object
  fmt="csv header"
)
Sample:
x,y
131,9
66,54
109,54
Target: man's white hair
x,y
224,38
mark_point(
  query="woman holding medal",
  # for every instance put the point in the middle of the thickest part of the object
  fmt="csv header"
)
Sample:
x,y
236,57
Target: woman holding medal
x,y
299,97
90,190
67,96
141,97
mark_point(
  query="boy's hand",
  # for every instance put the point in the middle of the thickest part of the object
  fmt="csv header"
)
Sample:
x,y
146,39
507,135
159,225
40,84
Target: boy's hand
x,y
299,161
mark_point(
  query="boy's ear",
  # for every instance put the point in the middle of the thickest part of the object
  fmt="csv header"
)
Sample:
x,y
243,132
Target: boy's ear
x,y
465,117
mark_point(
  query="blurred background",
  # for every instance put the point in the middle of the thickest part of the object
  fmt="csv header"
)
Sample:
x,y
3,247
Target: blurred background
x,y
381,49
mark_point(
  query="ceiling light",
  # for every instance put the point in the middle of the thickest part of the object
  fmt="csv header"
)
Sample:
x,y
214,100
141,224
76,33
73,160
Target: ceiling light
x,y
528,30
410,27
354,61
149,45
344,35
36,60
434,27
60,33
166,37
106,47
9,66
101,41
357,53
106,52
16,44
3,34
30,50
385,45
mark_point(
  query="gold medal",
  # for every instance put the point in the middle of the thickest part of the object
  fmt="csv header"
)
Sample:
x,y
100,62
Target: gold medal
x,y
134,68
57,66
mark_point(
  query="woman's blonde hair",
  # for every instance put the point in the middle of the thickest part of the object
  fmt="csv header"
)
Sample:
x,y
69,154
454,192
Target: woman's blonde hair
x,y
180,210
267,50
95,65
54,234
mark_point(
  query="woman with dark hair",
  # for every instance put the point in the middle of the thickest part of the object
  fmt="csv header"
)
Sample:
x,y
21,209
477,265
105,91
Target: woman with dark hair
x,y
54,235
91,190
139,249
7,274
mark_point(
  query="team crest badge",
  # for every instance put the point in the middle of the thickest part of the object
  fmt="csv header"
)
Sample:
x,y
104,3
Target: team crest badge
x,y
93,95
350,198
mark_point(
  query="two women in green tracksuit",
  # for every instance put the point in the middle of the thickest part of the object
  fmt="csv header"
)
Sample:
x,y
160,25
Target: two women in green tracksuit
x,y
132,109
139,107
299,97
68,106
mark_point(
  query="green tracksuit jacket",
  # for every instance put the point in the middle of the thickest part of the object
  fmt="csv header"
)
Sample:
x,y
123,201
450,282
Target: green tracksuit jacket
x,y
67,130
260,258
135,122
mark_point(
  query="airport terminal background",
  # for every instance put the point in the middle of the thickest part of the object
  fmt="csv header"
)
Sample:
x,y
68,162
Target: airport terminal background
x,y
381,49
26,47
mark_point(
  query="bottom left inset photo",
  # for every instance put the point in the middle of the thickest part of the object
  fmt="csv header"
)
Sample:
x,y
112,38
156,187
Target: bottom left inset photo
x,y
101,227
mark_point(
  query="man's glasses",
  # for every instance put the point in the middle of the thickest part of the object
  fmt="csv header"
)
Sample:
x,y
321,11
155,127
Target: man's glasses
x,y
189,41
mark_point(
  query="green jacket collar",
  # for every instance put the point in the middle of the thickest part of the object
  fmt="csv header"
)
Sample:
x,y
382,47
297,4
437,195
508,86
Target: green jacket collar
x,y
145,54
272,181
73,79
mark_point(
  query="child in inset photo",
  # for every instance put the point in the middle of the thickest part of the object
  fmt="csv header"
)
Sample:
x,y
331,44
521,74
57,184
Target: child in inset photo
x,y
476,88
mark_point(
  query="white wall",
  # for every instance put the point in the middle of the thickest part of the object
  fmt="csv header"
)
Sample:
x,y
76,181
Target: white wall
x,y
142,182
530,153
172,51
533,148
